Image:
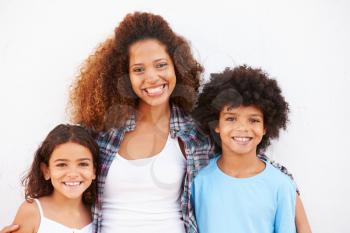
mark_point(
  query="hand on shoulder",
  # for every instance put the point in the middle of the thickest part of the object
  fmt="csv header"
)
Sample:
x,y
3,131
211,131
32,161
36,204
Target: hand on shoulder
x,y
9,229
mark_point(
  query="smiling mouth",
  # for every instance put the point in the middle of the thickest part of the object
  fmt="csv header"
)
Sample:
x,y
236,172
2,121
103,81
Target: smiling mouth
x,y
155,91
242,140
72,184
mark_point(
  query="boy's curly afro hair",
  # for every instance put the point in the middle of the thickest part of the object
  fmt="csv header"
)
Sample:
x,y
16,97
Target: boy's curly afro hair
x,y
245,86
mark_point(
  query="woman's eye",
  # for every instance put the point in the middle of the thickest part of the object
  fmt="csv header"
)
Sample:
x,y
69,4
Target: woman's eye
x,y
61,165
161,65
138,70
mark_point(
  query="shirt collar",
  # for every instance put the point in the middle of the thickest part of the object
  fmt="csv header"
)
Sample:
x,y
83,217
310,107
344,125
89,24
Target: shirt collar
x,y
180,121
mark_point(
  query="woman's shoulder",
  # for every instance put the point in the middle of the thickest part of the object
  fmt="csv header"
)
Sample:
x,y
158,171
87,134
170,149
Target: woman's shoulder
x,y
108,137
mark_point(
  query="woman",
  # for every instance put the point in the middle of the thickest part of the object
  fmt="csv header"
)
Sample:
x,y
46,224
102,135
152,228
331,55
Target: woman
x,y
135,93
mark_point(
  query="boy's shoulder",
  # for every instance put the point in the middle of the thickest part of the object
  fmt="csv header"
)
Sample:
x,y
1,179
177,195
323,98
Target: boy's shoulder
x,y
280,179
209,169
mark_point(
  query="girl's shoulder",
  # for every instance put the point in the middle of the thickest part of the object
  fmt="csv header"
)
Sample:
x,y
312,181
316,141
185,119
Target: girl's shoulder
x,y
28,217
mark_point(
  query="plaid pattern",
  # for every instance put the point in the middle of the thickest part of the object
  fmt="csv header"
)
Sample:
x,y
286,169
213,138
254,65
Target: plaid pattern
x,y
198,150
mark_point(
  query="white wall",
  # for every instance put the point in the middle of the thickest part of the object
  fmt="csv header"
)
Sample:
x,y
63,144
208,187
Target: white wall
x,y
302,43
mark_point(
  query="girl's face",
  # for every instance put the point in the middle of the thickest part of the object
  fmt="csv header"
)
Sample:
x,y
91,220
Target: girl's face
x,y
70,169
241,129
151,71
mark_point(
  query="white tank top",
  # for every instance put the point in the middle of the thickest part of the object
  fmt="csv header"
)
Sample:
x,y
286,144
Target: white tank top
x,y
50,226
143,195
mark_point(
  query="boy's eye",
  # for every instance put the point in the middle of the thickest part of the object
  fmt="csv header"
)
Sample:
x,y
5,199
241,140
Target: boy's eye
x,y
230,119
253,120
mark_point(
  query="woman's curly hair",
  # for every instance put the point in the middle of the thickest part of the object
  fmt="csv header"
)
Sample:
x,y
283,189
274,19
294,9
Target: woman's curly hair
x,y
102,97
242,86
36,185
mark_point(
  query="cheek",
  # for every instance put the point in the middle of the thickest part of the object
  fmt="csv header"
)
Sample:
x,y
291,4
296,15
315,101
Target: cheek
x,y
224,128
259,131
134,83
88,173
171,77
57,173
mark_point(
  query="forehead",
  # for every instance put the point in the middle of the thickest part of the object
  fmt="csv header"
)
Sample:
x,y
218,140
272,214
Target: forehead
x,y
241,110
70,151
148,49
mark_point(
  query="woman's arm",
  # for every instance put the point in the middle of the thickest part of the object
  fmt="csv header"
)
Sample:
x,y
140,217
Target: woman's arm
x,y
301,222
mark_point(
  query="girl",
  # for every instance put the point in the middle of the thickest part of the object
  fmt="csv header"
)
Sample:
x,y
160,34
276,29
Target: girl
x,y
60,186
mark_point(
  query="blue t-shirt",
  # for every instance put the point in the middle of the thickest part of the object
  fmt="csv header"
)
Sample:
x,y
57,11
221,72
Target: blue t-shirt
x,y
264,203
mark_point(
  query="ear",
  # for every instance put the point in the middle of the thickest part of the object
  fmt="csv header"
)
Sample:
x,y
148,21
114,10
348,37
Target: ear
x,y
45,170
217,129
94,176
264,131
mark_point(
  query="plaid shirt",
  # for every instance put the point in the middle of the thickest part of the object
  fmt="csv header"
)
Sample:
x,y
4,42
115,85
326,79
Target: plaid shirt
x,y
197,148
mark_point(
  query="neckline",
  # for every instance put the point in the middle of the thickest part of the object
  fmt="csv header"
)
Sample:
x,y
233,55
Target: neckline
x,y
179,120
146,158
243,180
42,215
72,228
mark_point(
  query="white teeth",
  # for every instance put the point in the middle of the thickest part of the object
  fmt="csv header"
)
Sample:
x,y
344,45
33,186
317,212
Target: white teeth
x,y
71,183
242,139
155,90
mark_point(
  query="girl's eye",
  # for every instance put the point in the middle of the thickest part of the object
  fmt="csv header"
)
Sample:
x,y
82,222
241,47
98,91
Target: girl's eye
x,y
61,165
161,65
84,164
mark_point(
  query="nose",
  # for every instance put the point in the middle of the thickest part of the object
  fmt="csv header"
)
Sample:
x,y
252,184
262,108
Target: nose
x,y
241,126
73,172
151,75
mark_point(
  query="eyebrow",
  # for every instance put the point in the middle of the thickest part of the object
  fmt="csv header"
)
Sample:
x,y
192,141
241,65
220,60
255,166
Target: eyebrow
x,y
232,113
229,113
157,60
65,160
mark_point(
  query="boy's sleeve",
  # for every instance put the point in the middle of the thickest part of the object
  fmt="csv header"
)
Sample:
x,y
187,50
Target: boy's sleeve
x,y
285,214
280,167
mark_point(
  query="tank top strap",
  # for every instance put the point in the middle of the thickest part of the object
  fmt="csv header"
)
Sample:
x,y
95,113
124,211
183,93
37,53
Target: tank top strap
x,y
40,208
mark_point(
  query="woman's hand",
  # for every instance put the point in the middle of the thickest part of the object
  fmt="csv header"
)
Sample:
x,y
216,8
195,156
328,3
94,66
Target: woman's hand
x,y
10,228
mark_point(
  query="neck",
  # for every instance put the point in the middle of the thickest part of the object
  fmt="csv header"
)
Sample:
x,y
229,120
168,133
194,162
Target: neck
x,y
153,114
67,203
240,165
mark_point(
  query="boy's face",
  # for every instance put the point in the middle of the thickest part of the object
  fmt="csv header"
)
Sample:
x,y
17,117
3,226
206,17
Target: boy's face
x,y
241,129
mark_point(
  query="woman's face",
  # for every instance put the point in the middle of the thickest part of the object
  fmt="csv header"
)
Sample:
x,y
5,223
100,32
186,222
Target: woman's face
x,y
152,72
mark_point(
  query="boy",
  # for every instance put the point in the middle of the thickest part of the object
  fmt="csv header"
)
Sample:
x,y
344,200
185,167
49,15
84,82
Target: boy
x,y
242,109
